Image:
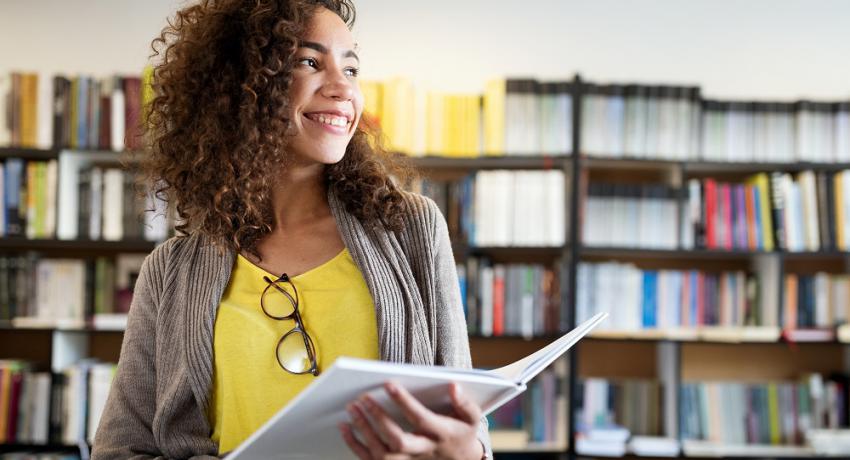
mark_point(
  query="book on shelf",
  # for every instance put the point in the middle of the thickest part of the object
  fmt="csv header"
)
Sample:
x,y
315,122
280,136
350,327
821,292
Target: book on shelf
x,y
38,292
81,112
638,121
513,116
511,299
502,208
73,197
681,304
769,413
631,215
536,419
325,400
766,211
40,408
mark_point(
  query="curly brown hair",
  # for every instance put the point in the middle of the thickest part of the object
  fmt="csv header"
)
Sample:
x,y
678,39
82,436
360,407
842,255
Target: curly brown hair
x,y
216,123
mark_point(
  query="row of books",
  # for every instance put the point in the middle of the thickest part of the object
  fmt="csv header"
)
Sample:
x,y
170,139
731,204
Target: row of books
x,y
68,199
638,121
817,301
513,117
631,215
538,416
802,212
634,404
776,132
67,293
503,208
64,407
81,112
510,299
781,412
672,299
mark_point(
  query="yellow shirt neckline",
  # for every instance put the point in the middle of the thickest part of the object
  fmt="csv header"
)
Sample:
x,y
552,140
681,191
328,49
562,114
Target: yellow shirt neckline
x,y
308,274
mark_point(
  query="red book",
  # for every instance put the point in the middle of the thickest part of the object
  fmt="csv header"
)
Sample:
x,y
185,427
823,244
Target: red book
x,y
710,188
132,112
498,300
14,404
752,236
105,141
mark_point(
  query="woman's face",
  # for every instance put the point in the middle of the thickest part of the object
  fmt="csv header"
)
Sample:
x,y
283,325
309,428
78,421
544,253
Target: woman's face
x,y
325,99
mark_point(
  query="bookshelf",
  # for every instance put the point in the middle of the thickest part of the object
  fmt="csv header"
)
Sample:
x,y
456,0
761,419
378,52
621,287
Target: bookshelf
x,y
669,356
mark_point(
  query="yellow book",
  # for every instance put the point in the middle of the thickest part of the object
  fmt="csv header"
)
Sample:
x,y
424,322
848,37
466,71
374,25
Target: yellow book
x,y
5,383
762,184
372,100
396,114
435,123
147,90
450,128
494,117
838,191
474,132
29,85
773,413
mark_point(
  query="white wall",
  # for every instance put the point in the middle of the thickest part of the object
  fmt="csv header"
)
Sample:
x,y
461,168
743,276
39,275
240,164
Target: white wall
x,y
752,49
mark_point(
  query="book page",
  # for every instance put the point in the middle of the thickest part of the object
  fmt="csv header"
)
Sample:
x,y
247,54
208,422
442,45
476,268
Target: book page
x,y
525,369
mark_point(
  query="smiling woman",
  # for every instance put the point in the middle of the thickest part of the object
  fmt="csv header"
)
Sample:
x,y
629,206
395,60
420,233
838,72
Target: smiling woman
x,y
296,247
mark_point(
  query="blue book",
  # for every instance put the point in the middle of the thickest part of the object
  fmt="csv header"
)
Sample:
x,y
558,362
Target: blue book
x,y
82,112
12,206
650,281
758,223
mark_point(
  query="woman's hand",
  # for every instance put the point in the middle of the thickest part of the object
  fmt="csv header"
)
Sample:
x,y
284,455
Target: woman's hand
x,y
434,436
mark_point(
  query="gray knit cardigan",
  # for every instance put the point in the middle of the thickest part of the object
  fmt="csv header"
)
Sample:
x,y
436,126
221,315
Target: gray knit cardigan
x,y
161,391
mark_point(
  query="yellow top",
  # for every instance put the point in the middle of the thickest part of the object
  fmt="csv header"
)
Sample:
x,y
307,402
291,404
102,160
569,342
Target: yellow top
x,y
249,386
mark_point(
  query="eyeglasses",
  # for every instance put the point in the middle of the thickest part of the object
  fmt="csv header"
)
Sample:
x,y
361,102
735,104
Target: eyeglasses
x,y
295,351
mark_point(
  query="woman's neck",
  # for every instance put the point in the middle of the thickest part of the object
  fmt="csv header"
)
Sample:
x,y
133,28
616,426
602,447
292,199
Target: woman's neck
x,y
299,196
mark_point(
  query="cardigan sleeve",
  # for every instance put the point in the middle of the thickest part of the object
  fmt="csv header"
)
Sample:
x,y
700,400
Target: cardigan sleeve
x,y
125,429
453,344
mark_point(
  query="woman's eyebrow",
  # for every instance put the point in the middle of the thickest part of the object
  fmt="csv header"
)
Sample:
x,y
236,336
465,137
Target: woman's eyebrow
x,y
322,49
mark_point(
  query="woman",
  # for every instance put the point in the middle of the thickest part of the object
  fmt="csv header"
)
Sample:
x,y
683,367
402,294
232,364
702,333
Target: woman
x,y
298,247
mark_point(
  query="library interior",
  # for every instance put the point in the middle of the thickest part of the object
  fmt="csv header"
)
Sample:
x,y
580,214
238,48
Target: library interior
x,y
679,166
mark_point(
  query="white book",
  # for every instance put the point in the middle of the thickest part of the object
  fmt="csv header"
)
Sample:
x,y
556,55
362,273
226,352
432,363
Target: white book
x,y
67,219
486,306
555,208
113,204
100,379
117,117
41,408
322,404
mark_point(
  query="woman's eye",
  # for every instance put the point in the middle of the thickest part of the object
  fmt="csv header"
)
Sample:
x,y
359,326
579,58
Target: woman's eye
x,y
308,62
352,71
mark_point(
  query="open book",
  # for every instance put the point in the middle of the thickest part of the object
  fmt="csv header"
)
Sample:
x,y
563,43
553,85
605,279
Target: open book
x,y
307,427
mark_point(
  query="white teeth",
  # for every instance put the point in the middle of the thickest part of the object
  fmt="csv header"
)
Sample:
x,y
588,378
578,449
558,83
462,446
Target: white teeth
x,y
331,120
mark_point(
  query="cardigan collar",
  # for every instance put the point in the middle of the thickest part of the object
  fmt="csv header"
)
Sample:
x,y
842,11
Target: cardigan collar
x,y
402,325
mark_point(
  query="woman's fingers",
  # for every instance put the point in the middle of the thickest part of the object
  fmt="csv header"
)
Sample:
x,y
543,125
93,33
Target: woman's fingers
x,y
376,447
396,439
466,409
422,419
356,446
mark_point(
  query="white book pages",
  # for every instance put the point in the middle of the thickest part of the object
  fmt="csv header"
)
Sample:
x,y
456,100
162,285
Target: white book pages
x,y
555,208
